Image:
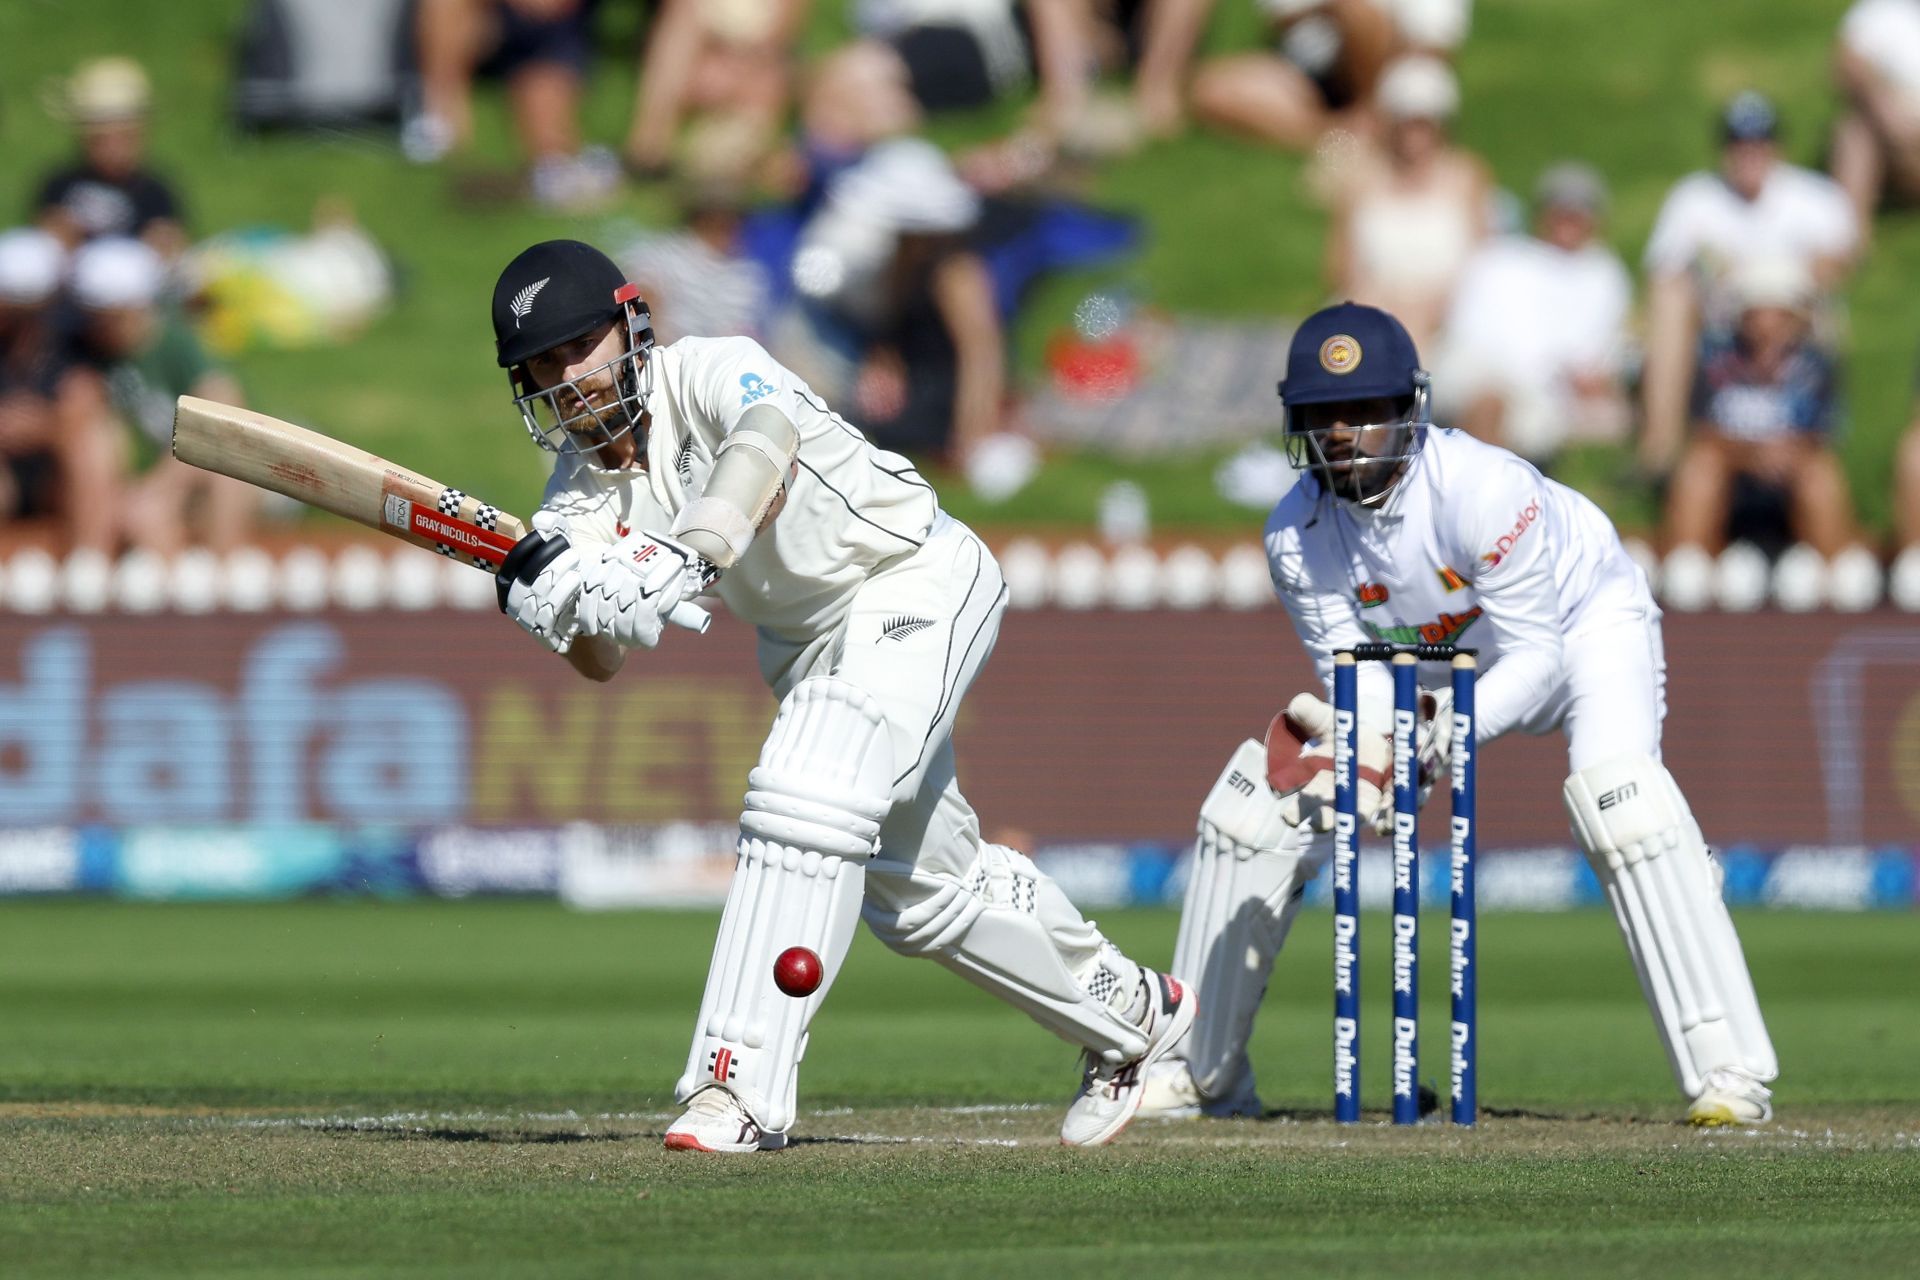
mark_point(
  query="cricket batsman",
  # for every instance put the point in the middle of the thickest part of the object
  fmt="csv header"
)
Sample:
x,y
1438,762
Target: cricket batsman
x,y
1402,532
705,465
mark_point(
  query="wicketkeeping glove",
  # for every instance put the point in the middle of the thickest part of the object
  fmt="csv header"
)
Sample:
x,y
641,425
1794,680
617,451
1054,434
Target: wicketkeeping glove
x,y
539,583
628,591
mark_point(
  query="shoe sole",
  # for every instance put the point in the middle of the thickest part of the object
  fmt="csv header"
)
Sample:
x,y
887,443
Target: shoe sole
x,y
1182,1023
687,1142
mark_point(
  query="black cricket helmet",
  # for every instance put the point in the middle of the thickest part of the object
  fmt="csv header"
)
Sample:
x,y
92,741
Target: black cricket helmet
x,y
553,293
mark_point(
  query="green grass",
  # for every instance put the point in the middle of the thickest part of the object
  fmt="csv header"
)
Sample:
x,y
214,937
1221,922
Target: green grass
x,y
335,1088
1629,86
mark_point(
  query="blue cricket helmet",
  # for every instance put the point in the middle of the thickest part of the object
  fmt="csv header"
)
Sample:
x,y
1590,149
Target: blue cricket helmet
x,y
1350,352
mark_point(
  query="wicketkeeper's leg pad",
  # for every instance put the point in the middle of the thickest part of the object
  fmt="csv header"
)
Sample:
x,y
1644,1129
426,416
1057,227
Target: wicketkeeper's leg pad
x,y
1006,927
811,821
1642,841
1244,889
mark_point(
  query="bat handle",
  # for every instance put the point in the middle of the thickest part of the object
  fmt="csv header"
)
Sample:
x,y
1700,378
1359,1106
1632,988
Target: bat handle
x,y
691,616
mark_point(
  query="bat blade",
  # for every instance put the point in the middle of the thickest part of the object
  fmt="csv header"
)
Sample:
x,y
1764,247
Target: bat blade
x,y
363,487
335,476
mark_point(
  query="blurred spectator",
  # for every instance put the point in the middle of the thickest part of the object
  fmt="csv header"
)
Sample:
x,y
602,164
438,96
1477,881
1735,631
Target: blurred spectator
x,y
1905,579
129,357
895,315
540,48
1534,341
962,54
1764,410
36,474
695,278
1326,56
731,64
1756,206
1408,214
1325,59
1876,144
108,190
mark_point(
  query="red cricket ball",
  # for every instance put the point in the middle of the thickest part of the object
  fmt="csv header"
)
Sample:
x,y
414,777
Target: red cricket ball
x,y
797,972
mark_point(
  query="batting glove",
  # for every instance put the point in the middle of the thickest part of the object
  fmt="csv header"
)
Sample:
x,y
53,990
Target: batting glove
x,y
627,593
539,584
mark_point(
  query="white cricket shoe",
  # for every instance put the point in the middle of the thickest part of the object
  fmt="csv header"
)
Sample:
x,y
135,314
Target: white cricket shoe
x,y
1111,1094
1171,1094
715,1121
1731,1097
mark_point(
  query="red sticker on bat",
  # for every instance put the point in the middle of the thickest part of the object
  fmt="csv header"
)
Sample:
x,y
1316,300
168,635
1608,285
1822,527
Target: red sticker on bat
x,y
461,535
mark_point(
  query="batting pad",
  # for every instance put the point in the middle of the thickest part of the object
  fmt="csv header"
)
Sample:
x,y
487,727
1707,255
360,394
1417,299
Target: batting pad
x,y
1243,892
1644,845
812,819
1008,929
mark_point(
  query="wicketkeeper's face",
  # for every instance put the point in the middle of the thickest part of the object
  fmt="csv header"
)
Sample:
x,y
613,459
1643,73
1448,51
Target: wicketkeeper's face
x,y
1355,447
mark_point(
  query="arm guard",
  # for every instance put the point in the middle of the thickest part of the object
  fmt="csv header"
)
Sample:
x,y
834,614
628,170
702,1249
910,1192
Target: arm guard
x,y
745,490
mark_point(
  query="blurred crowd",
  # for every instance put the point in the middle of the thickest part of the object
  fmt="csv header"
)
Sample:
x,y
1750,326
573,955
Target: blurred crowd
x,y
818,218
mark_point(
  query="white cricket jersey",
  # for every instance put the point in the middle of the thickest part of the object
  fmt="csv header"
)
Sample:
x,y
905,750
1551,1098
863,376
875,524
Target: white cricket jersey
x,y
1472,547
851,506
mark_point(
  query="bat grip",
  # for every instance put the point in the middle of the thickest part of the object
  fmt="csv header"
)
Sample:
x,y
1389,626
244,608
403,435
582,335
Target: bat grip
x,y
691,616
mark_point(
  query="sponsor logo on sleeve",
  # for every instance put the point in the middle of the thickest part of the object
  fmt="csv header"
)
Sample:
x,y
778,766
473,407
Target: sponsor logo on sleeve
x,y
754,387
1503,545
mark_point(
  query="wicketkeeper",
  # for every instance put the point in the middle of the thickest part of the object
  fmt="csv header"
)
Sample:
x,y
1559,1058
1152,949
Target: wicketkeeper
x,y
1402,532
705,465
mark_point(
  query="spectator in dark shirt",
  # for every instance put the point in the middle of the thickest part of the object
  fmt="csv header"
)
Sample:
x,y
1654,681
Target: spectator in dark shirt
x,y
1764,409
108,190
34,474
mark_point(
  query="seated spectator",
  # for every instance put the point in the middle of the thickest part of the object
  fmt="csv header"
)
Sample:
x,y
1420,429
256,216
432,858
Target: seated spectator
x,y
1755,206
695,278
895,315
1408,214
1764,415
108,190
128,358
1323,63
1876,144
1534,341
42,472
540,48
730,64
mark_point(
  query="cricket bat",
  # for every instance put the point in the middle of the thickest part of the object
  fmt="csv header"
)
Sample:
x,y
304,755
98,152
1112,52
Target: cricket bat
x,y
335,476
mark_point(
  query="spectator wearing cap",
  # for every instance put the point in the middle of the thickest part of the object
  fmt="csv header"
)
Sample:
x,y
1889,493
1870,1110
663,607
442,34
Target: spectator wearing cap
x,y
1410,212
129,357
895,312
108,190
1532,353
1764,412
1876,66
1755,206
33,471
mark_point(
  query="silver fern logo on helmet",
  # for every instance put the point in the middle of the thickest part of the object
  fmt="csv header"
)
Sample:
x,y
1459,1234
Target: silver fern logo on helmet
x,y
523,301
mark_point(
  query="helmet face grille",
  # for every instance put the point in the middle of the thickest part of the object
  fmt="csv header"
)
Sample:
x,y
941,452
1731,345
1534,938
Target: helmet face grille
x,y
1359,462
561,418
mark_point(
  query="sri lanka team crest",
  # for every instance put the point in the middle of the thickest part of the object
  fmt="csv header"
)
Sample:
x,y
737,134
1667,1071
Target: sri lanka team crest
x,y
1340,354
1371,594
